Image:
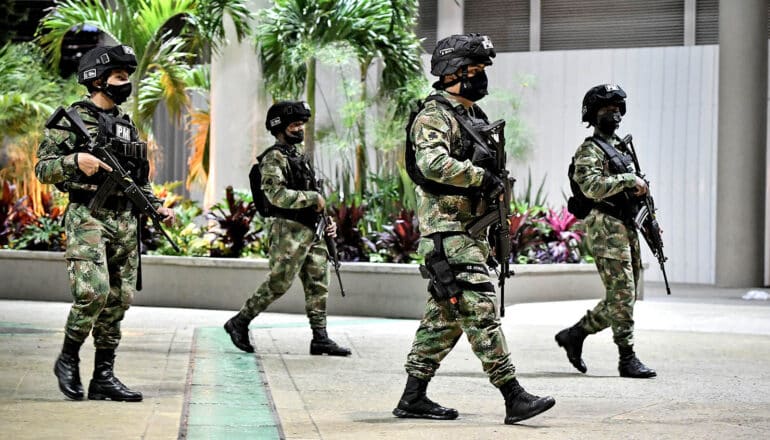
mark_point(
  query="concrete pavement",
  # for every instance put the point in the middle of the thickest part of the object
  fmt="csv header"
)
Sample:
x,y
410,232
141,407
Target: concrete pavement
x,y
710,348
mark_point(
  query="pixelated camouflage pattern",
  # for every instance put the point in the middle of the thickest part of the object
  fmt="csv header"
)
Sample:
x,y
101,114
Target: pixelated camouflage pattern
x,y
435,134
102,258
274,167
614,244
294,249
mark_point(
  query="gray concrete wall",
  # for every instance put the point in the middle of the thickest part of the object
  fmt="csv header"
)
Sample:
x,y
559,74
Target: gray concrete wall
x,y
385,290
742,150
238,106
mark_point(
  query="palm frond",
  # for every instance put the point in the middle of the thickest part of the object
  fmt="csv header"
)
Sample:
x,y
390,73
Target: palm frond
x,y
70,15
198,163
211,15
165,81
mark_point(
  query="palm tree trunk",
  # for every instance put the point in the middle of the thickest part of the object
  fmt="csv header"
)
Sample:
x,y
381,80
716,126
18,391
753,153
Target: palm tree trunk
x,y
310,96
361,156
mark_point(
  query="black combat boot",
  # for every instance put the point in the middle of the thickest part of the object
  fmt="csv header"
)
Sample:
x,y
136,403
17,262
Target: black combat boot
x,y
104,384
238,328
571,339
67,370
631,366
520,405
415,404
321,344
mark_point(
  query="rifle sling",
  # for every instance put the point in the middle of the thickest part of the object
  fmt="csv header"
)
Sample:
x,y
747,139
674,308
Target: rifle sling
x,y
607,208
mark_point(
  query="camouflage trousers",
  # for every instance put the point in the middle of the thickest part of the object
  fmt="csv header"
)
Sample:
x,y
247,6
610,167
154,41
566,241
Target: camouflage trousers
x,y
102,258
619,266
294,249
475,315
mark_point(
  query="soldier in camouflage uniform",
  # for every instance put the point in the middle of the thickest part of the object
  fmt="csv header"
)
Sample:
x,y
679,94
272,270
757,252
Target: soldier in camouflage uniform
x,y
610,231
102,245
286,191
448,193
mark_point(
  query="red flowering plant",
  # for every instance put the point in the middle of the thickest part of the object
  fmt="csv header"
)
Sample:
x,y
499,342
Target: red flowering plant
x,y
352,244
398,242
561,238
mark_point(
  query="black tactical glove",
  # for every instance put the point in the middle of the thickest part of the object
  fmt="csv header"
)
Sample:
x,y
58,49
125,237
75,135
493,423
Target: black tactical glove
x,y
491,185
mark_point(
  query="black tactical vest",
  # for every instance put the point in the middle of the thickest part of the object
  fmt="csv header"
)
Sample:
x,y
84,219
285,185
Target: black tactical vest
x,y
619,205
468,151
300,177
121,137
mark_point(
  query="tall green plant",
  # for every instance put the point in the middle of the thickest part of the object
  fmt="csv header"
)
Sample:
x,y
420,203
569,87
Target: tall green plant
x,y
292,33
163,34
30,92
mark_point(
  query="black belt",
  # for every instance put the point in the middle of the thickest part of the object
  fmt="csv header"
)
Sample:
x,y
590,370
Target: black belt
x,y
112,203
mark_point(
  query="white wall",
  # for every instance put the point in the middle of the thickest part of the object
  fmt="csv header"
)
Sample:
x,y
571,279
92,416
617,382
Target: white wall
x,y
672,114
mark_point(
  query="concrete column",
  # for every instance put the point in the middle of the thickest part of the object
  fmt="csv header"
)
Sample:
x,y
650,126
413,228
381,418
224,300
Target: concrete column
x,y
239,103
689,22
742,149
450,18
534,25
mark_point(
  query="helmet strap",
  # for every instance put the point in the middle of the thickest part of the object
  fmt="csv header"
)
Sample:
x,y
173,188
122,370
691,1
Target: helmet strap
x,y
444,85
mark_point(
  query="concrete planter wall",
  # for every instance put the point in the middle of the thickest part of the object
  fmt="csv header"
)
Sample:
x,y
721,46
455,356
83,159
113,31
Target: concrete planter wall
x,y
373,289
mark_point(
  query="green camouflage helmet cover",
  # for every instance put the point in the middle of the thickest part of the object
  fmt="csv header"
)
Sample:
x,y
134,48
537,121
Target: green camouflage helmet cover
x,y
101,60
457,51
599,96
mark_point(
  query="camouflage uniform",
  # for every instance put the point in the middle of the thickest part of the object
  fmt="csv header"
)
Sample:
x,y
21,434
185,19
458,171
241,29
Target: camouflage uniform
x,y
436,133
102,247
294,247
614,244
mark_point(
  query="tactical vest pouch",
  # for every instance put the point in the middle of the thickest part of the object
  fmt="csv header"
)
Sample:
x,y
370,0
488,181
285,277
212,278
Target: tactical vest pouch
x,y
258,196
579,205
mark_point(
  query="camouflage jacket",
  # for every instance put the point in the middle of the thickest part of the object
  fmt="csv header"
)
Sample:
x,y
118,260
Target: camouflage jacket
x,y
436,135
56,157
274,168
609,237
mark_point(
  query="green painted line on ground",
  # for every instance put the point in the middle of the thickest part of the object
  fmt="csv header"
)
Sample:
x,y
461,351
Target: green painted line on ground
x,y
227,395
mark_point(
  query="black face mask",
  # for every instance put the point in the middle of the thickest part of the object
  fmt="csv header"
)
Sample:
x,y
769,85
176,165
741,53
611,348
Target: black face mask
x,y
474,87
118,93
608,122
295,137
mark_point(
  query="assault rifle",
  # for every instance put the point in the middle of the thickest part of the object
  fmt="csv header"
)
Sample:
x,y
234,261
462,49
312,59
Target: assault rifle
x,y
117,180
493,137
645,218
331,244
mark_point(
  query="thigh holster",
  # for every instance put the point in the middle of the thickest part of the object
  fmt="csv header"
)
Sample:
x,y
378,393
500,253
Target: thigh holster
x,y
443,284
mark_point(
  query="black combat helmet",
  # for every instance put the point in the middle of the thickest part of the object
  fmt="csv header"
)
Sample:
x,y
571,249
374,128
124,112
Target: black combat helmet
x,y
283,113
599,96
457,51
101,60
